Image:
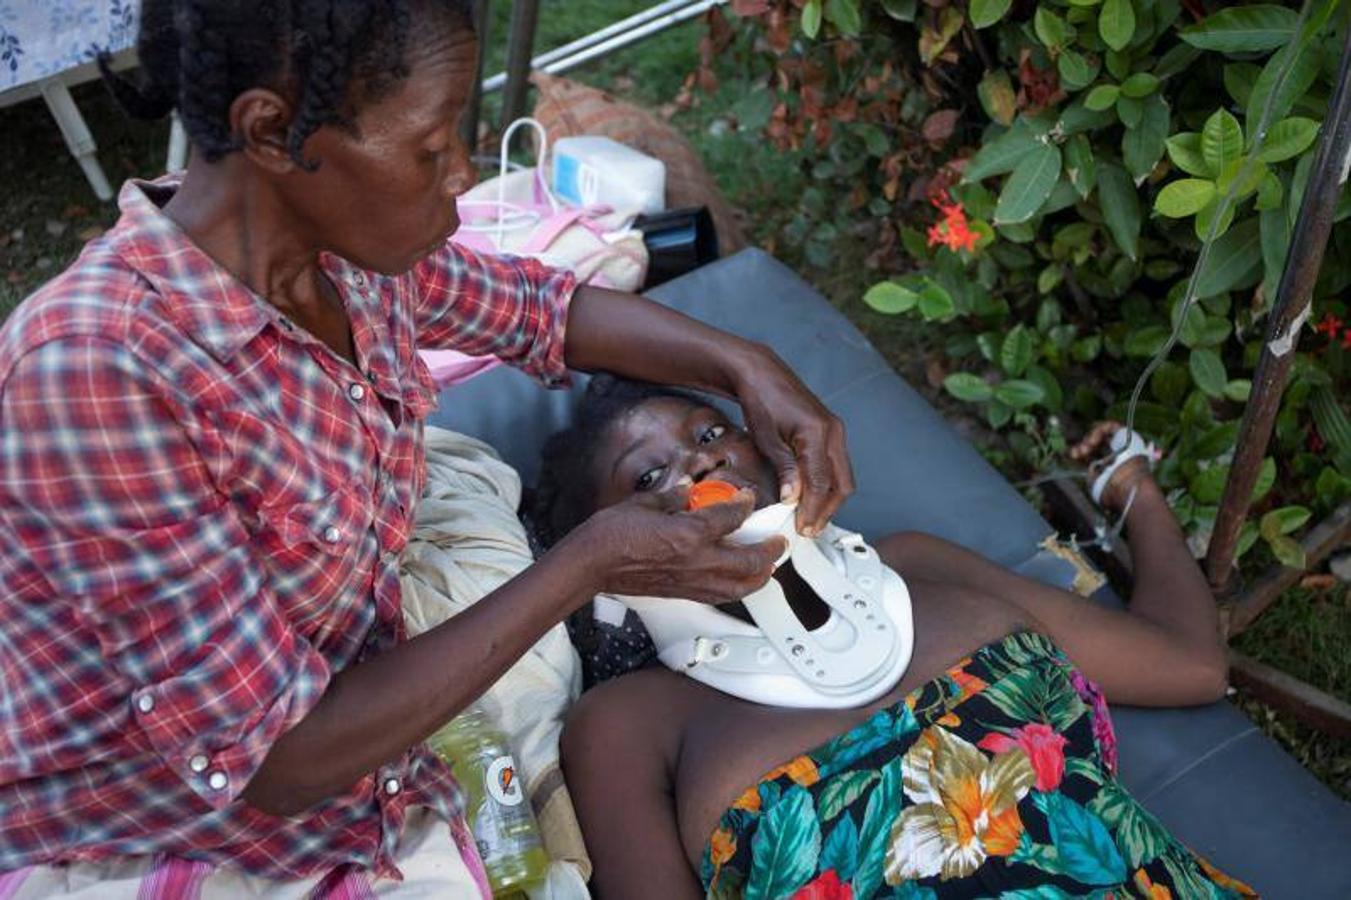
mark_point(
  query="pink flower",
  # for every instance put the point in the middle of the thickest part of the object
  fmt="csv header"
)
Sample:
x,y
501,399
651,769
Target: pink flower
x,y
1103,732
1044,748
827,886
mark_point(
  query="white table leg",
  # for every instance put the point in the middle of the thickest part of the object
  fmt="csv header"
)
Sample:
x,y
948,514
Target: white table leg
x,y
178,146
76,133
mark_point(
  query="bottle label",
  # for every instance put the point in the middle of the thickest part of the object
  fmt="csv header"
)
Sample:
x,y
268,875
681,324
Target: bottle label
x,y
502,782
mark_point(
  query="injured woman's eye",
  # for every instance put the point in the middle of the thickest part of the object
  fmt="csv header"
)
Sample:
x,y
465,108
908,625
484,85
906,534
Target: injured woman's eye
x,y
712,433
649,479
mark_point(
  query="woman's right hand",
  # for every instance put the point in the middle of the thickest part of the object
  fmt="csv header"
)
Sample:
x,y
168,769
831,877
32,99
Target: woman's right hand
x,y
651,548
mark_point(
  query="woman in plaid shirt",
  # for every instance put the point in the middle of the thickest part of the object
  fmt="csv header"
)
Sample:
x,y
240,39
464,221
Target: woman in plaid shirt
x,y
211,450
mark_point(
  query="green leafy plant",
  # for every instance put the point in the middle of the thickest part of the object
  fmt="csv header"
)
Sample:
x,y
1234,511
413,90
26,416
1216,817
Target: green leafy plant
x,y
1037,179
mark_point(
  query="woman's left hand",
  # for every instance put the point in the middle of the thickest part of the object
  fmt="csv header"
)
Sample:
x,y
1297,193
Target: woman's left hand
x,y
802,439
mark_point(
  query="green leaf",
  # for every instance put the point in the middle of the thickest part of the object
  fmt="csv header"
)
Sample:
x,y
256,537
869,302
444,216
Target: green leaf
x,y
1216,440
1239,79
1142,146
786,846
1169,383
1184,150
1287,138
1078,118
1138,833
1004,152
1116,23
1076,70
1207,485
1145,341
1243,29
1208,371
1270,193
1288,552
1015,355
1120,206
811,18
875,833
900,10
1080,166
840,850
1053,396
935,303
1266,479
985,13
1280,92
845,16
1102,97
1286,520
1206,216
843,790
1030,184
1086,349
1141,84
933,41
1084,847
1234,257
1247,537
890,298
1274,233
1238,390
968,387
1052,31
997,97
1221,140
1182,198
1130,110
1019,393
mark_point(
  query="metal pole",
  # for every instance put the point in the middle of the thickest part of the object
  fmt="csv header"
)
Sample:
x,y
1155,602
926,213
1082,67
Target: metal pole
x,y
623,25
555,61
520,48
1289,312
474,111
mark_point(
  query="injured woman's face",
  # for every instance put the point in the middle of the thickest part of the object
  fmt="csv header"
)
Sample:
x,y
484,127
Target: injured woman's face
x,y
664,445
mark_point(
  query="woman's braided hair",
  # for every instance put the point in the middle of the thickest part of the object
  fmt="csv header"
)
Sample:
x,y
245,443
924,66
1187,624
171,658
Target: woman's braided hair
x,y
327,56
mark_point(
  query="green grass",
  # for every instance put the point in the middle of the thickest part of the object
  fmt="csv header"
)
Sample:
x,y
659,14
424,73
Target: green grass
x,y
1306,634
48,211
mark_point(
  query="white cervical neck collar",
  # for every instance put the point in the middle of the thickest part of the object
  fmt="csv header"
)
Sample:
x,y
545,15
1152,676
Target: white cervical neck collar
x,y
856,656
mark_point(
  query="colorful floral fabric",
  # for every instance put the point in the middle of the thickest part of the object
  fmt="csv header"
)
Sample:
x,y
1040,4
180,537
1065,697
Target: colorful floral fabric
x,y
996,780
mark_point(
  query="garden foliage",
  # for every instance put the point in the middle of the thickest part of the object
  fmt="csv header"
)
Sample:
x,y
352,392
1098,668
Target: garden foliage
x,y
1037,179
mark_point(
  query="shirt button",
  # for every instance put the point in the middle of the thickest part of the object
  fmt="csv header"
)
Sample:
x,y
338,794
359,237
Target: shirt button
x,y
356,391
198,763
359,279
145,703
285,323
217,781
392,786
331,534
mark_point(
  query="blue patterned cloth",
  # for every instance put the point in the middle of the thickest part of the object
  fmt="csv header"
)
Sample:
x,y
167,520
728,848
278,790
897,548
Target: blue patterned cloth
x,y
41,38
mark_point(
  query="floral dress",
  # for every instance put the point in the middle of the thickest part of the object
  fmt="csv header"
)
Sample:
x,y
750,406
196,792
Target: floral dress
x,y
996,779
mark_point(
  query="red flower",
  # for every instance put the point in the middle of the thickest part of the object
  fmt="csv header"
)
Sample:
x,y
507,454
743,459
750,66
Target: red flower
x,y
1329,325
827,886
1044,748
954,232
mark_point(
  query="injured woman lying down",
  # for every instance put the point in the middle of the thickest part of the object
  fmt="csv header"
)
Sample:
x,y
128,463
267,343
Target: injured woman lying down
x,y
896,719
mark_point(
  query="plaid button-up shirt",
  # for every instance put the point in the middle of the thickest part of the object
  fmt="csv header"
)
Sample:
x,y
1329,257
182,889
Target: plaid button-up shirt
x,y
201,514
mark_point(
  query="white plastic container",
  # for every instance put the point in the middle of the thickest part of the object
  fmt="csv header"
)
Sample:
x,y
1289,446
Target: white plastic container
x,y
590,170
